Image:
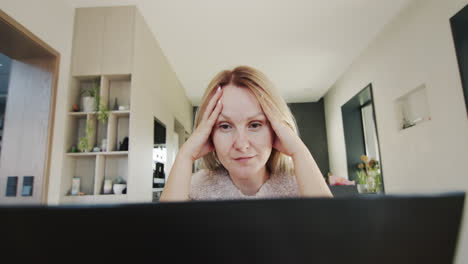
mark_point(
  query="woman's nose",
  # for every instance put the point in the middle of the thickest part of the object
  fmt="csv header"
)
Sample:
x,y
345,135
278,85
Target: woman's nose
x,y
241,141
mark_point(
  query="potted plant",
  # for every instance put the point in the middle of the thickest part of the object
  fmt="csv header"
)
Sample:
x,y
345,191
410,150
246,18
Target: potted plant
x,y
83,144
103,113
90,97
119,185
86,143
91,134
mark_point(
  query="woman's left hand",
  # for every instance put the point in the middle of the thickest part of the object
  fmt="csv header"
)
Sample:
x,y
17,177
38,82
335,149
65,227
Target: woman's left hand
x,y
286,140
310,180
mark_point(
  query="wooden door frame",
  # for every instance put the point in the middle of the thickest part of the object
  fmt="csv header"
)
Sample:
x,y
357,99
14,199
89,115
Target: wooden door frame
x,y
55,56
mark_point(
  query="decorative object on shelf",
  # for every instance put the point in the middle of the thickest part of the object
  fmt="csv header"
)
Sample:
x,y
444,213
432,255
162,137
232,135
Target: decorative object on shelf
x,y
90,134
75,108
107,189
104,144
96,149
73,149
75,189
368,176
90,97
124,145
86,143
407,123
124,107
103,113
83,144
116,105
337,180
119,185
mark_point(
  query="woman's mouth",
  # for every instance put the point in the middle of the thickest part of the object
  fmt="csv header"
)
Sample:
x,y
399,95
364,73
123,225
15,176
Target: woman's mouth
x,y
244,159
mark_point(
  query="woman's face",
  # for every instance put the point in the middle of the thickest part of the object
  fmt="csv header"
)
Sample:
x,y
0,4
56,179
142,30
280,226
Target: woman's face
x,y
242,135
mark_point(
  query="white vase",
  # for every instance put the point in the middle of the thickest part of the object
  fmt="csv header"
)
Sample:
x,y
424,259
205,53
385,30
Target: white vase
x,y
371,186
104,145
75,186
118,188
87,103
362,188
107,186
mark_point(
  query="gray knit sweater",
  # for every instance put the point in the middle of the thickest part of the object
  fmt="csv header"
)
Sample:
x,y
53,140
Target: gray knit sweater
x,y
211,186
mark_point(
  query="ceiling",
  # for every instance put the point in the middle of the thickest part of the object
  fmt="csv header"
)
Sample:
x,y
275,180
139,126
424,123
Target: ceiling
x,y
304,46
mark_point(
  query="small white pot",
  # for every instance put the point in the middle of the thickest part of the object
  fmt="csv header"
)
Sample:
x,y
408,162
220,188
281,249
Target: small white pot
x,y
118,188
88,104
362,188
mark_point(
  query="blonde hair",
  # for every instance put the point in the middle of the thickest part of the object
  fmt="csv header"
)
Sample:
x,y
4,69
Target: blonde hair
x,y
266,94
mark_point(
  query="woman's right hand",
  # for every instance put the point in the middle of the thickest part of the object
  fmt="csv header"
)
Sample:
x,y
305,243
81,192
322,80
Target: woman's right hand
x,y
199,143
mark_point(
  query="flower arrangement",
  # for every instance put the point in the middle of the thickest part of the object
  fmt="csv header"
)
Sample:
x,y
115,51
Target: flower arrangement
x,y
368,173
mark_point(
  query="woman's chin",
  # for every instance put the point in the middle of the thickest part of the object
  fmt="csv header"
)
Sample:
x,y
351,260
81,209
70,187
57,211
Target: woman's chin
x,y
244,171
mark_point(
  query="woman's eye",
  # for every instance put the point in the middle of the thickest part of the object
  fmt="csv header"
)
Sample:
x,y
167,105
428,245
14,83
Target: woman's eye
x,y
256,125
224,126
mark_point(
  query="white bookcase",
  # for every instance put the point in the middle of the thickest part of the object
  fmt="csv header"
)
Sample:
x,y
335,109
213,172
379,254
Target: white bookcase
x,y
93,168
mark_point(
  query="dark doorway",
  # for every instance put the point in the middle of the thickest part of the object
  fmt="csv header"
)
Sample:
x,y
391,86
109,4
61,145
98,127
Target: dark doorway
x,y
459,24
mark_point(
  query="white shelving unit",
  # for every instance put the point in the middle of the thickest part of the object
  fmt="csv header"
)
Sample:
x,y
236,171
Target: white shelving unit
x,y
93,168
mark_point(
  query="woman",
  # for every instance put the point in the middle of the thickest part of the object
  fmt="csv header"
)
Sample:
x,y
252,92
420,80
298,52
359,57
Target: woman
x,y
247,140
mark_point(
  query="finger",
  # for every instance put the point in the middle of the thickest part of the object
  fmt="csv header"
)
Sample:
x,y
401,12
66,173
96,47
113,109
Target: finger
x,y
271,116
212,103
215,114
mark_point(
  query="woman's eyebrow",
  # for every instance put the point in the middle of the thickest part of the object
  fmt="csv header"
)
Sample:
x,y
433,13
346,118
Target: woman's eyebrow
x,y
252,117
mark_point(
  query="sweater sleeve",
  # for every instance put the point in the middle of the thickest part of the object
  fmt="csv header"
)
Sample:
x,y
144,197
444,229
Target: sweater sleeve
x,y
198,185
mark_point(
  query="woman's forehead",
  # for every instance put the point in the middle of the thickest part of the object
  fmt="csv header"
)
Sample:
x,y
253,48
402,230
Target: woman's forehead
x,y
244,115
239,99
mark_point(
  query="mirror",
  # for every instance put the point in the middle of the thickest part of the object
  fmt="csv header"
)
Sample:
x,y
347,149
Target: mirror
x,y
360,131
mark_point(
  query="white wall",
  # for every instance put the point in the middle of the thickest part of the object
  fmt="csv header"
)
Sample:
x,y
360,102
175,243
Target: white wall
x,y
417,48
156,92
52,22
